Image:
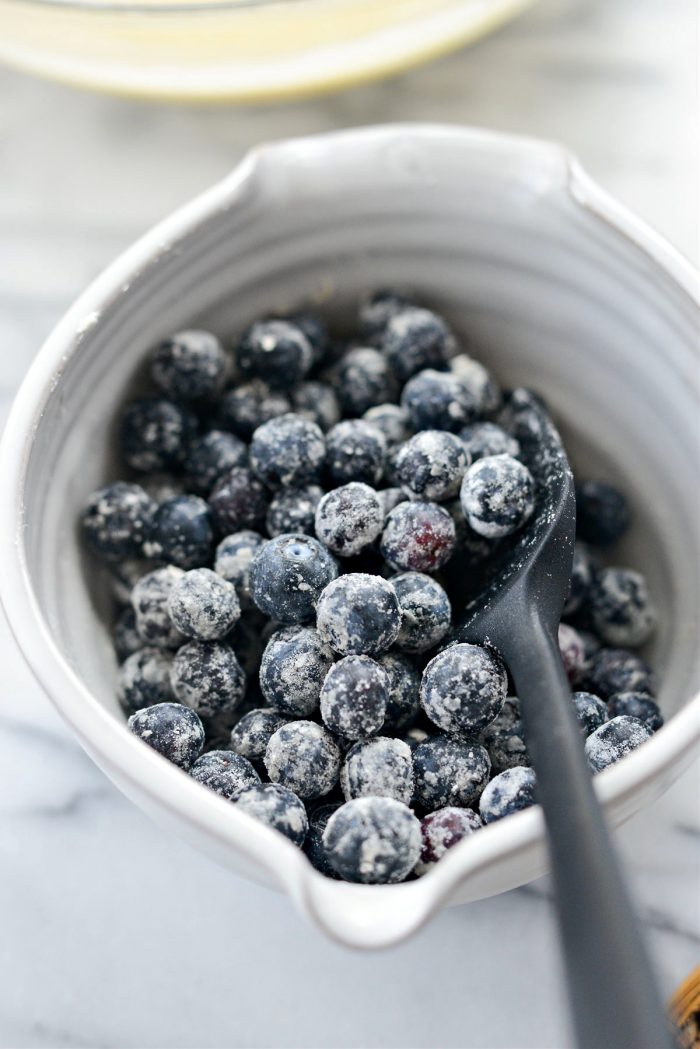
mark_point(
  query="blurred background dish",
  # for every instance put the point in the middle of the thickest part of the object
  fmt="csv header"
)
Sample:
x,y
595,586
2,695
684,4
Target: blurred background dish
x,y
236,49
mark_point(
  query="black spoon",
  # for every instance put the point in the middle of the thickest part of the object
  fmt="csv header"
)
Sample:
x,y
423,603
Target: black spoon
x,y
614,997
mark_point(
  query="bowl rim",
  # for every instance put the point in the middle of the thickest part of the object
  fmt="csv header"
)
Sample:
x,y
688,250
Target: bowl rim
x,y
104,736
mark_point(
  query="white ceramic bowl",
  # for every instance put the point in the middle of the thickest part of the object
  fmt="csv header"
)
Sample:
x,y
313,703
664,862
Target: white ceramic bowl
x,y
549,281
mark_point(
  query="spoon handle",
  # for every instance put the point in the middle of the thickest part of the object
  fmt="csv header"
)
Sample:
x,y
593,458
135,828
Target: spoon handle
x,y
614,997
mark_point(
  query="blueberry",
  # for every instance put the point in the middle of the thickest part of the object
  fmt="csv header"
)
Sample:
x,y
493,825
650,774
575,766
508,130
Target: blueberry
x,y
390,498
373,841
293,668
349,518
287,576
172,730
189,366
250,736
364,380
590,711
316,401
356,451
636,705
303,757
418,537
449,771
615,740
117,519
621,607
481,384
497,495
416,339
573,652
463,688
484,439
392,420
277,807
358,614
154,433
125,635
354,696
438,401
208,678
378,310
224,772
602,513
581,578
380,768
507,793
149,599
403,698
504,738
293,510
426,612
237,501
245,407
442,830
431,465
313,846
202,605
182,533
288,452
210,456
234,556
614,670
277,351
144,679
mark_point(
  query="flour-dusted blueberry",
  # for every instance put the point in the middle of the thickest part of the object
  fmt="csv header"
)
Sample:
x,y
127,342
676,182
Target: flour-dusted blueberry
x,y
354,697
621,607
416,339
316,401
203,605
392,420
418,537
602,513
172,730
209,457
438,400
582,573
507,793
484,439
636,705
125,636
431,465
590,711
482,385
277,351
313,846
288,452
364,380
238,500
208,678
449,771
293,510
154,433
403,699
349,518
615,740
293,668
149,599
497,495
356,451
234,556
463,688
144,679
246,406
182,532
359,614
225,772
189,366
117,520
380,768
277,807
442,830
287,576
390,498
303,757
378,310
504,738
426,612
613,670
573,652
250,736
374,841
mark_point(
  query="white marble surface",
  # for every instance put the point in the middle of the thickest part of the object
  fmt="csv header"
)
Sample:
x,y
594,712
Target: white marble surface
x,y
116,934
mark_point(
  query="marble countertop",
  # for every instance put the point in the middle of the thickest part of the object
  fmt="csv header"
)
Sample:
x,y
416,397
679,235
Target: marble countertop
x,y
114,933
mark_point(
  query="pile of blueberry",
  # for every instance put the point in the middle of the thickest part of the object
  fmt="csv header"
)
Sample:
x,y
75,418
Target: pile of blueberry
x,y
304,521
